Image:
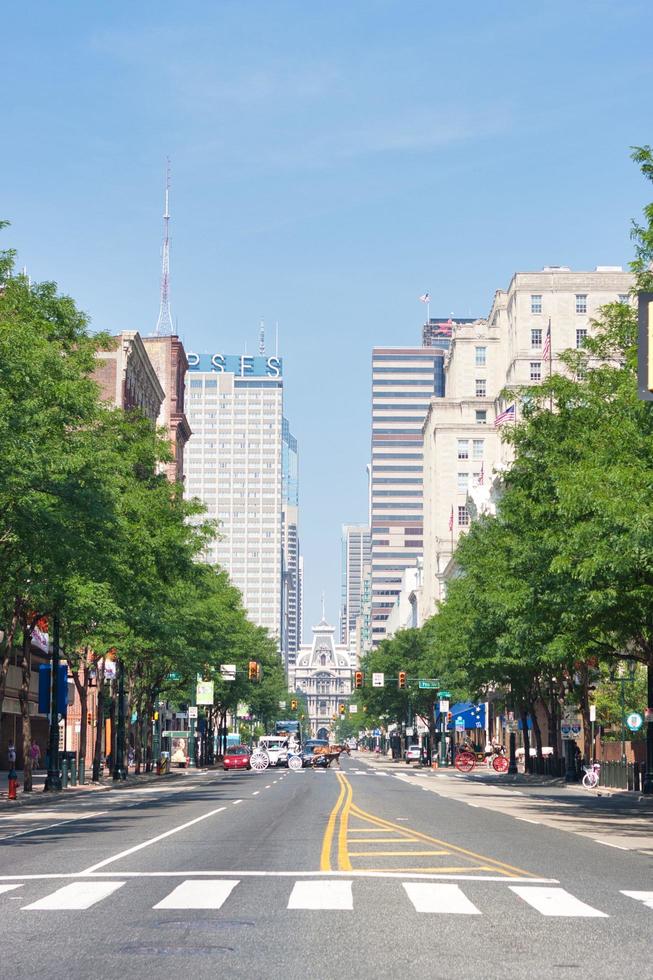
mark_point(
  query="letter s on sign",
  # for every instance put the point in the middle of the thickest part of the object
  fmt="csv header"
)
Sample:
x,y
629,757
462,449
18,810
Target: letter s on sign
x,y
218,363
274,366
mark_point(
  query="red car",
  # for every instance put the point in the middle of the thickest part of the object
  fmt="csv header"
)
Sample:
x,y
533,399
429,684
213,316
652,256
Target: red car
x,y
237,757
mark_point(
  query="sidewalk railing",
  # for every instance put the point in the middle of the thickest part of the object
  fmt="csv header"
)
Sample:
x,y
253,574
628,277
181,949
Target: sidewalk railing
x,y
622,775
547,766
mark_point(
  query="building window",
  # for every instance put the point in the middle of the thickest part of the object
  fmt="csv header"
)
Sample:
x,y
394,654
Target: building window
x,y
477,450
536,303
581,334
536,337
463,449
463,517
481,356
622,298
481,417
581,302
536,370
463,482
480,388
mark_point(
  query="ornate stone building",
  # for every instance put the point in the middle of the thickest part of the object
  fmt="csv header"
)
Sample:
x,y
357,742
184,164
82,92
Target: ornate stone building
x,y
323,673
126,375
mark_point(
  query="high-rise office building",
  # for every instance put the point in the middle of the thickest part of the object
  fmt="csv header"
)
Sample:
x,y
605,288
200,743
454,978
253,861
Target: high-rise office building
x,y
355,545
291,603
233,463
404,379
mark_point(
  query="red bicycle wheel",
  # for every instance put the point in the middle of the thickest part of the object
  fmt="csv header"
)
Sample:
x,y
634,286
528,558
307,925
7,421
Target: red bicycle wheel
x,y
465,761
500,763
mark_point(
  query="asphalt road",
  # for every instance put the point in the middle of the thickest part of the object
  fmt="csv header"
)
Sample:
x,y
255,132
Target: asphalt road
x,y
312,875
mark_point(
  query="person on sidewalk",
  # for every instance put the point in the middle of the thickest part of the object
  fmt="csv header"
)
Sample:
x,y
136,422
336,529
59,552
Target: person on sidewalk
x,y
35,754
11,755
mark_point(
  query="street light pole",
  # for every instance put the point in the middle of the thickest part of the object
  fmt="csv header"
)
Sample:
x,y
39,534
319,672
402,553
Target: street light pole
x,y
119,759
53,778
647,785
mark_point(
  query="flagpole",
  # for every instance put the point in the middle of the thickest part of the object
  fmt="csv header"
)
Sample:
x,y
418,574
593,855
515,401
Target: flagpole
x,y
550,365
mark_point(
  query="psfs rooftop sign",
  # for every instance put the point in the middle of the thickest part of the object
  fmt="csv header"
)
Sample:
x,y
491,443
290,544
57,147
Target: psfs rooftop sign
x,y
241,365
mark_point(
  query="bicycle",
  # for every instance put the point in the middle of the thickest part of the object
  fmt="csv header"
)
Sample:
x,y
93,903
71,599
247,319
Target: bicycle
x,y
591,777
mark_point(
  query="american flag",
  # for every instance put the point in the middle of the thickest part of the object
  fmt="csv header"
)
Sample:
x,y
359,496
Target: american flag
x,y
546,350
426,298
451,519
507,415
480,477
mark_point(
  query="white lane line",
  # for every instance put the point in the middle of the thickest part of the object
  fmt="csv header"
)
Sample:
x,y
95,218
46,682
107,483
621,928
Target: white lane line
x,y
439,898
256,792
556,901
645,897
269,786
235,802
59,823
8,888
152,840
475,805
608,843
321,895
198,895
526,820
78,895
228,873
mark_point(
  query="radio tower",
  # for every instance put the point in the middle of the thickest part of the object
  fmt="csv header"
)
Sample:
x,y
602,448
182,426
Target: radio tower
x,y
164,323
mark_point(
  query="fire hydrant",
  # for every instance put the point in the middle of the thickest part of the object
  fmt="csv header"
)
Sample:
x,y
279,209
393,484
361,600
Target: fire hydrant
x,y
13,784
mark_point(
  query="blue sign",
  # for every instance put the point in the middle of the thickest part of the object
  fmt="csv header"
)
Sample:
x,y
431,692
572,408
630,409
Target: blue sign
x,y
241,365
377,732
45,672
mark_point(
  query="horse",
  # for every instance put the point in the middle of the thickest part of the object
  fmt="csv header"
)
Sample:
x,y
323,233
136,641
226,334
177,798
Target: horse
x,y
330,753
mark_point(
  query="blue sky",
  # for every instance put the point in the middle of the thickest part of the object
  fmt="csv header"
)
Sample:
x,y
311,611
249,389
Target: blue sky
x,y
331,161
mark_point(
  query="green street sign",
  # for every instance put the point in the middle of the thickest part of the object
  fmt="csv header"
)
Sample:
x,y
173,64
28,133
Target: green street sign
x,y
427,685
174,676
445,694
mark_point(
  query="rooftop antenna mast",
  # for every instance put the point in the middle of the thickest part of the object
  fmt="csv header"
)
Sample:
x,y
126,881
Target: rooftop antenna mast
x,y
164,326
261,338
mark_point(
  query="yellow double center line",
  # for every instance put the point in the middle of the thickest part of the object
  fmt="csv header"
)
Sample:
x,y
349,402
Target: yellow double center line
x,y
341,809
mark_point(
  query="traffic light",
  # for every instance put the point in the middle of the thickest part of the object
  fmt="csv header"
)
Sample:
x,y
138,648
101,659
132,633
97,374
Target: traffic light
x,y
253,670
358,678
293,704
89,718
341,709
402,678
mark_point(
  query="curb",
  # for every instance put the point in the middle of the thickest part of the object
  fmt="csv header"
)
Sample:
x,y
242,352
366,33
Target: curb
x,y
39,798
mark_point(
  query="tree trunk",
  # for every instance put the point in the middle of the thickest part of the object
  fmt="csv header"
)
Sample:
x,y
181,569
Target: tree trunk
x,y
537,730
523,711
552,719
26,667
585,713
97,753
82,691
149,715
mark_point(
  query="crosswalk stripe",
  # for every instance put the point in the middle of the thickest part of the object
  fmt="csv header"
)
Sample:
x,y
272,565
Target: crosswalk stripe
x,y
556,901
8,888
321,895
78,895
645,897
198,895
427,897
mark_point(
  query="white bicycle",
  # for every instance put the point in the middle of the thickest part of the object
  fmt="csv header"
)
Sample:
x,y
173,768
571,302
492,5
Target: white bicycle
x,y
591,777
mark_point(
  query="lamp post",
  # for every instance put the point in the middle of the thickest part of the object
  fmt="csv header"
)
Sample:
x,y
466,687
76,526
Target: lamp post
x,y
53,778
623,680
119,755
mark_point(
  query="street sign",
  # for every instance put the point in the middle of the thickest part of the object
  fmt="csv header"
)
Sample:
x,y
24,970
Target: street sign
x,y
171,677
378,680
173,733
282,704
445,695
513,726
376,732
444,705
634,721
192,711
460,724
228,672
427,685
592,712
410,731
353,708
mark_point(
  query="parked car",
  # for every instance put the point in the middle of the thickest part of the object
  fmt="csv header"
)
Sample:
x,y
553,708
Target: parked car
x,y
413,754
307,752
237,757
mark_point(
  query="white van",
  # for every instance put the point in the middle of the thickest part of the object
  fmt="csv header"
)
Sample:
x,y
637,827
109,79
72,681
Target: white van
x,y
276,747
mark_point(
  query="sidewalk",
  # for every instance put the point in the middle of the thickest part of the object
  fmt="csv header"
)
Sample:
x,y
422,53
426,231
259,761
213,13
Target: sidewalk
x,y
482,774
38,798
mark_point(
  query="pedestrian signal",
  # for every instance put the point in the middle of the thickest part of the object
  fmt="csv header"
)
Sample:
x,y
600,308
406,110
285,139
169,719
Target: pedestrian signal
x,y
358,678
402,678
293,704
253,670
341,709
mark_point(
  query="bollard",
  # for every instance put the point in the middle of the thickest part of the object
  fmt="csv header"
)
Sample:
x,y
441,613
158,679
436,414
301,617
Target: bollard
x,y
13,785
64,773
81,775
73,772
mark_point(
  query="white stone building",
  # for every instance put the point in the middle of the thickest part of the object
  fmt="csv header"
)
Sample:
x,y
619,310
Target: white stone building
x,y
323,673
463,450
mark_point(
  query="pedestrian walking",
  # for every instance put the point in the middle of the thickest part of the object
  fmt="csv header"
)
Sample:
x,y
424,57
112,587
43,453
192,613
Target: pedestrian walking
x,y
35,754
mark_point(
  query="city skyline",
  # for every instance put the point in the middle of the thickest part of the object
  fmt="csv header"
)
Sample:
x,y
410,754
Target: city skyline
x,y
319,182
